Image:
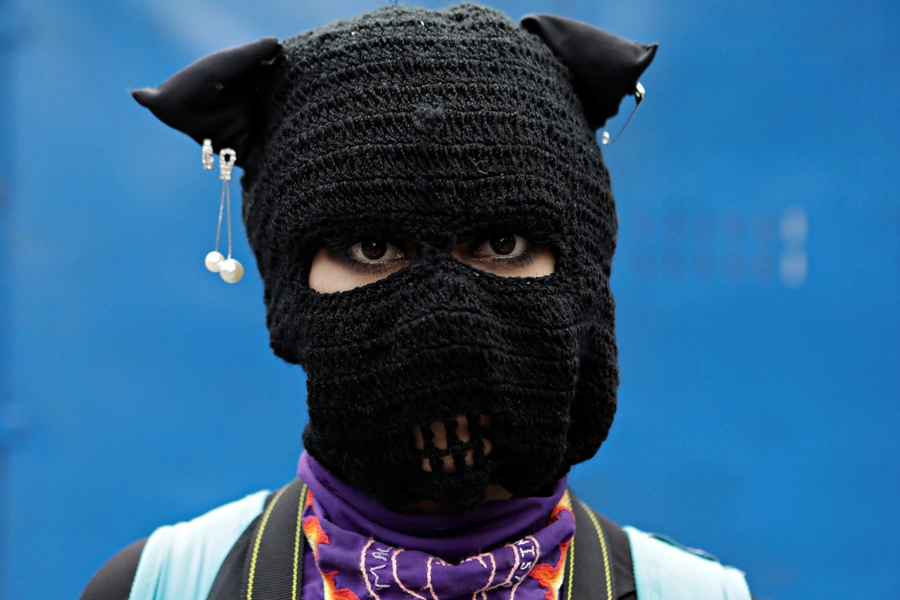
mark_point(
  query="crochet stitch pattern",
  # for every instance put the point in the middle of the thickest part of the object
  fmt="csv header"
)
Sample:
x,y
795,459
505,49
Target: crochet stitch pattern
x,y
438,127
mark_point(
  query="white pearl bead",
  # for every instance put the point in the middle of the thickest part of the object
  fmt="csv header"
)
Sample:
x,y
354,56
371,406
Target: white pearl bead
x,y
214,261
231,271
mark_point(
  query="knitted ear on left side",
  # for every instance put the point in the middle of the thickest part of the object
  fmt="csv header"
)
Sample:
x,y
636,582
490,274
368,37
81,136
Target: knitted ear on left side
x,y
215,97
605,67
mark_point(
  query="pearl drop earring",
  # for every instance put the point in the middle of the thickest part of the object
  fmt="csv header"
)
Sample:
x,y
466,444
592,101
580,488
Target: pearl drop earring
x,y
214,259
229,269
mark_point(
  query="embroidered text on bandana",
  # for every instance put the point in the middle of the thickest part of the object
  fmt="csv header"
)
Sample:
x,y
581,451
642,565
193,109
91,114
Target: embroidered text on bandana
x,y
354,567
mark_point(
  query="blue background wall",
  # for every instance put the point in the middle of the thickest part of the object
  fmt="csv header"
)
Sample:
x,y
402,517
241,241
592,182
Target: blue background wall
x,y
758,286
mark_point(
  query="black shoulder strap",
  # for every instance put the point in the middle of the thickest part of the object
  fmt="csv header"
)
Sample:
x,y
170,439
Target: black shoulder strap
x,y
230,581
589,568
274,569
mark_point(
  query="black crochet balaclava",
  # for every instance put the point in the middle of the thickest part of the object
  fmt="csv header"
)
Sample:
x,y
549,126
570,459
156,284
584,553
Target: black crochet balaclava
x,y
435,127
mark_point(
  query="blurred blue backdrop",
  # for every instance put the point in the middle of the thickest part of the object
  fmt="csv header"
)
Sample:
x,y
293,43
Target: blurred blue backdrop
x,y
757,280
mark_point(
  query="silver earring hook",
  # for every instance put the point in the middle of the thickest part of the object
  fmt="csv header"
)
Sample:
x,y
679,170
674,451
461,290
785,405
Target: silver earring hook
x,y
639,94
227,158
207,154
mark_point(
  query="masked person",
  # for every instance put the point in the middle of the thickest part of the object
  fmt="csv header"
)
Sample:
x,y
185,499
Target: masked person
x,y
433,223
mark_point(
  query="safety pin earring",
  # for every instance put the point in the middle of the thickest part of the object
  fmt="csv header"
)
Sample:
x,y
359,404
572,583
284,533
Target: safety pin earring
x,y
229,269
639,94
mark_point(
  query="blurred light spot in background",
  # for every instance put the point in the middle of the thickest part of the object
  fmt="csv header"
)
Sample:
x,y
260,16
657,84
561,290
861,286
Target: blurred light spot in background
x,y
794,227
794,230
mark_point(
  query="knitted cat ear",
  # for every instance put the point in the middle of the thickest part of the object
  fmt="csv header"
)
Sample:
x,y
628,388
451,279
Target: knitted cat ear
x,y
216,97
605,67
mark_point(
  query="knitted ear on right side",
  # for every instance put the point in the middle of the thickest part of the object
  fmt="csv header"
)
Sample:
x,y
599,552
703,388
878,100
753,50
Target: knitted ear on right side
x,y
605,67
215,97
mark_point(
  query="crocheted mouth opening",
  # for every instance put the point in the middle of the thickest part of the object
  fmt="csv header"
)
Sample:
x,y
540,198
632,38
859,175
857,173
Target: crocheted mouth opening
x,y
453,445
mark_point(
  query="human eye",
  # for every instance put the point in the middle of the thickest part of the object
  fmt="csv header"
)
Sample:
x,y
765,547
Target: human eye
x,y
370,251
372,256
509,249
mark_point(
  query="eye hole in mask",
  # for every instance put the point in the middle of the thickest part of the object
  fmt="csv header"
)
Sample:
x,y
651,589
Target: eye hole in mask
x,y
341,266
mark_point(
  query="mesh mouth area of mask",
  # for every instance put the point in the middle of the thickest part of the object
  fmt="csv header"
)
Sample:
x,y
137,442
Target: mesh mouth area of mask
x,y
456,447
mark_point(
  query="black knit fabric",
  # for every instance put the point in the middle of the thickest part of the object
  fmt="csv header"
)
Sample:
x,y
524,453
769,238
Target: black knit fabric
x,y
437,127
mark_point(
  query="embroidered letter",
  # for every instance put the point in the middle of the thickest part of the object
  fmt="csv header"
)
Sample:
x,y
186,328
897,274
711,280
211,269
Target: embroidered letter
x,y
379,586
381,554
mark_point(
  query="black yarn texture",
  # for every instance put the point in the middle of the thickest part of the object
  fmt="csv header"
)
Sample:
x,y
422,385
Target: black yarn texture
x,y
439,127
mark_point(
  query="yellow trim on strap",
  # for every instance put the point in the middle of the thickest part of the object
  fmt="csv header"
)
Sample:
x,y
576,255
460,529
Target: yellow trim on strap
x,y
603,547
259,534
571,566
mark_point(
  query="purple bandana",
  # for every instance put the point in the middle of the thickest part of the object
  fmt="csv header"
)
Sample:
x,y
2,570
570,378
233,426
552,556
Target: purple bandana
x,y
360,550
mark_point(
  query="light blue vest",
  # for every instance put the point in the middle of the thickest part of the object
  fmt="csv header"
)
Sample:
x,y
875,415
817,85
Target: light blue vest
x,y
180,562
